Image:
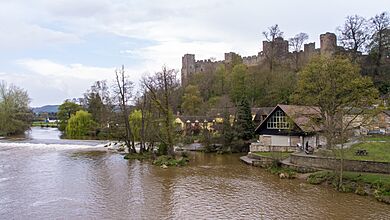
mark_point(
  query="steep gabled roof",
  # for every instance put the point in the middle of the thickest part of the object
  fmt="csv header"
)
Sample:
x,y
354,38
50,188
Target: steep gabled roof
x,y
304,117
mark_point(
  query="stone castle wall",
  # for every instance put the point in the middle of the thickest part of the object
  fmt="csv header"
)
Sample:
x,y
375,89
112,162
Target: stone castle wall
x,y
280,52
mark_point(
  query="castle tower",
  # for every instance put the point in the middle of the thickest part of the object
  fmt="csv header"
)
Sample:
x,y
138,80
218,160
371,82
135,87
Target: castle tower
x,y
328,44
188,67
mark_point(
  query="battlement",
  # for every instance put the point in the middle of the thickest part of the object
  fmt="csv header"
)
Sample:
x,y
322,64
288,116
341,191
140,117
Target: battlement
x,y
279,49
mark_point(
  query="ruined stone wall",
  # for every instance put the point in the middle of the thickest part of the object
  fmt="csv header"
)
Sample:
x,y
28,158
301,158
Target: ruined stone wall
x,y
328,44
280,52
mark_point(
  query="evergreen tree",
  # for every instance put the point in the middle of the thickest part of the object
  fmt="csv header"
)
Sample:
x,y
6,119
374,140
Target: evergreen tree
x,y
244,125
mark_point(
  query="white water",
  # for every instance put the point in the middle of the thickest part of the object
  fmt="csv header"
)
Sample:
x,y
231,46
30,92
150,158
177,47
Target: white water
x,y
48,146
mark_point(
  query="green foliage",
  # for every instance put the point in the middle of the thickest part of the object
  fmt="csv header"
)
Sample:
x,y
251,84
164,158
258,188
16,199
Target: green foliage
x,y
377,184
138,156
244,125
98,103
192,100
228,133
239,87
80,125
320,177
334,85
170,161
135,119
15,115
65,111
290,174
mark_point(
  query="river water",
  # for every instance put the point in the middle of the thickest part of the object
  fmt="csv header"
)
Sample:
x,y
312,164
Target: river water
x,y
43,177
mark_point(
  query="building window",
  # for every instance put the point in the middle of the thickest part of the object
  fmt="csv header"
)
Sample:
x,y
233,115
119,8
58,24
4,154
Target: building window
x,y
278,121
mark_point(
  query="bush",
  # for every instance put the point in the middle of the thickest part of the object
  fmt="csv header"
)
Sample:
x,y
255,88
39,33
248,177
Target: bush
x,y
320,177
170,161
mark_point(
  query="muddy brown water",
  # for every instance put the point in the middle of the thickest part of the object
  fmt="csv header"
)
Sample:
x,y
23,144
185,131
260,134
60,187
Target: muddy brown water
x,y
47,178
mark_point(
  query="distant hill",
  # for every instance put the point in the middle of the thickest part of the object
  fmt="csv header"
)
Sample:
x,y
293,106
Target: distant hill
x,y
46,108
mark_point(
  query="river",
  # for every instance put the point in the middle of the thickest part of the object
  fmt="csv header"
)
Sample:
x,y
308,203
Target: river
x,y
44,177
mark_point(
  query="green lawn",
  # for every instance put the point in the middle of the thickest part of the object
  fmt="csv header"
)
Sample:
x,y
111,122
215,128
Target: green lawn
x,y
376,138
377,151
44,124
281,155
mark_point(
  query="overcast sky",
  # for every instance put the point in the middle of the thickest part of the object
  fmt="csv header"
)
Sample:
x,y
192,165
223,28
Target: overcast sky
x,y
56,49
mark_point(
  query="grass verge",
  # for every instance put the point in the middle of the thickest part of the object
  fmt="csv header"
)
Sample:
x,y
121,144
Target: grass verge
x,y
279,155
377,185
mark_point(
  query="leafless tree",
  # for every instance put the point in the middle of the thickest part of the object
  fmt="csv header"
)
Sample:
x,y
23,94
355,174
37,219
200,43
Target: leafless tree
x,y
380,25
160,87
296,43
123,91
354,34
270,52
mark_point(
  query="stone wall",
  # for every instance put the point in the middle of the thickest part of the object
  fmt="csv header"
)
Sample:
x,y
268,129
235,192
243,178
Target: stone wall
x,y
331,163
261,161
258,147
279,50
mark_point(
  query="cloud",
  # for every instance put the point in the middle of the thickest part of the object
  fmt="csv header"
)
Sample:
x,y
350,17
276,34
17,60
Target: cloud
x,y
51,82
151,33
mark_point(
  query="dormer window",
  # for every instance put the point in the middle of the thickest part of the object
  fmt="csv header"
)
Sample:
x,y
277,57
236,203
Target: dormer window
x,y
278,121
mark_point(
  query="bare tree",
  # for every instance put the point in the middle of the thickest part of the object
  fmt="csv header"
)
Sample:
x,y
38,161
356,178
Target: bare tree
x,y
270,51
354,34
296,43
380,25
123,91
161,87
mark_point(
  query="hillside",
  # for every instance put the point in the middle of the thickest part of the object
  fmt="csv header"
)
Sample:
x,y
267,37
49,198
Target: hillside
x,y
46,108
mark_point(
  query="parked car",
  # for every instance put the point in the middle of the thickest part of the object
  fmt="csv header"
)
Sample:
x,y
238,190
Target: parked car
x,y
376,132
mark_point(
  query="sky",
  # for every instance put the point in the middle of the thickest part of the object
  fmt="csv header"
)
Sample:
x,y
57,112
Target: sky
x,y
56,49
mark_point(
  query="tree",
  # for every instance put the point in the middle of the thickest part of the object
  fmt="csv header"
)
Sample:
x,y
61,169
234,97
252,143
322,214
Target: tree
x,y
354,34
98,103
15,115
380,41
244,125
160,87
80,124
65,111
296,43
123,91
271,51
135,119
239,87
191,100
221,81
344,99
228,133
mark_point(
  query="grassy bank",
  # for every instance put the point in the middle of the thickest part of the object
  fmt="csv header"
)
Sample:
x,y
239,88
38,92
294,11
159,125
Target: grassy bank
x,y
377,185
376,151
278,155
376,138
44,124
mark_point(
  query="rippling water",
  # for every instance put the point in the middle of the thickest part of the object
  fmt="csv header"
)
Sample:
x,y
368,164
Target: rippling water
x,y
80,180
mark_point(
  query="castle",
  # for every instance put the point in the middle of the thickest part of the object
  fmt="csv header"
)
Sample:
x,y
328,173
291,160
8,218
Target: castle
x,y
280,52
